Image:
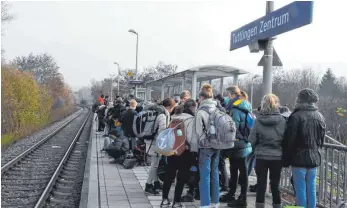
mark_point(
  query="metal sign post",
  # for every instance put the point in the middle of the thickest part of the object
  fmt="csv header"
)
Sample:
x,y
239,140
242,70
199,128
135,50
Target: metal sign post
x,y
267,69
258,35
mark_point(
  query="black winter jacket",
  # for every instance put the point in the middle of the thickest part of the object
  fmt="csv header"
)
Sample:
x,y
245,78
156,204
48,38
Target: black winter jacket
x,y
304,137
127,120
116,111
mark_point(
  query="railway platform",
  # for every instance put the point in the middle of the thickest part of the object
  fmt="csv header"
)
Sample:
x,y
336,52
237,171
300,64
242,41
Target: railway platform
x,y
108,185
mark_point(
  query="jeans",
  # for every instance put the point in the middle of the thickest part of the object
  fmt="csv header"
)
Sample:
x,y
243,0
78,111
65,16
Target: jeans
x,y
275,168
236,165
208,166
305,186
224,174
132,143
155,158
180,165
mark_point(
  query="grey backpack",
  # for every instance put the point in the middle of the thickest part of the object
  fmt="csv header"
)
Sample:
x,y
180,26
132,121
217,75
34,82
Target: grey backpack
x,y
222,131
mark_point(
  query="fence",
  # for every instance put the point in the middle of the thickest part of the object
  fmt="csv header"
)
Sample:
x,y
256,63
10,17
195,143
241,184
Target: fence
x,y
331,185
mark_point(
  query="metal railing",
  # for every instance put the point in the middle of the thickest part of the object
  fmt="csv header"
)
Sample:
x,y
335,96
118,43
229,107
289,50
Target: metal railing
x,y
331,184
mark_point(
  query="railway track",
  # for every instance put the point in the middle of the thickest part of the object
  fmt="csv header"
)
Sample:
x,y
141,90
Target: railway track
x,y
49,169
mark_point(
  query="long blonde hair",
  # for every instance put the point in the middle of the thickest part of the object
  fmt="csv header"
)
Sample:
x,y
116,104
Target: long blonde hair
x,y
244,95
270,103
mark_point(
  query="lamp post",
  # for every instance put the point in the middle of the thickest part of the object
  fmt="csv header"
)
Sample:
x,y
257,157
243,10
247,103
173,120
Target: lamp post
x,y
253,78
137,55
118,77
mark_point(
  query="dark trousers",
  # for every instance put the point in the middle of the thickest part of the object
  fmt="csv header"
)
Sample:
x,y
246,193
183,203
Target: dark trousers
x,y
101,123
275,168
236,165
179,165
224,179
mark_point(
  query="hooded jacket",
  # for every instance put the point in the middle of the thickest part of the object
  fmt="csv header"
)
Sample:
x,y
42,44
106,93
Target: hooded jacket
x,y
117,110
238,109
267,135
189,124
304,136
127,120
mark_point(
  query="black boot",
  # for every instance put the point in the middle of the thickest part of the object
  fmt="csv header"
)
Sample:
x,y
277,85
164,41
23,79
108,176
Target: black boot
x,y
165,203
197,194
228,197
253,188
189,197
240,202
158,185
149,189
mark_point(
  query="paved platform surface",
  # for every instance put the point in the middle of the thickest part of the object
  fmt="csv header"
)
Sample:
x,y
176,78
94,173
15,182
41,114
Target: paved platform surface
x,y
111,186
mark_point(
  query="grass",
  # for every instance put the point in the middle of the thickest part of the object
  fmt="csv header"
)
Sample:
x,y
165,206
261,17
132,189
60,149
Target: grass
x,y
56,115
6,139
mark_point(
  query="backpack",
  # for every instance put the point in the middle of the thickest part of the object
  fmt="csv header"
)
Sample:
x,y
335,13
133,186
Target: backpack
x,y
129,162
172,141
222,130
249,122
144,124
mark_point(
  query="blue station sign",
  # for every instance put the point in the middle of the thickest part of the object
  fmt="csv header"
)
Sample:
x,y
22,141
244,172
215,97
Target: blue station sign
x,y
290,17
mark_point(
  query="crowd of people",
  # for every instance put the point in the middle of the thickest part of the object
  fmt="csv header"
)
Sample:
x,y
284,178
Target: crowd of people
x,y
268,139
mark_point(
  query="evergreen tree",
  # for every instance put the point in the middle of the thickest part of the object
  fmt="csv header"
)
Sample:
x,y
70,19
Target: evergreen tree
x,y
328,85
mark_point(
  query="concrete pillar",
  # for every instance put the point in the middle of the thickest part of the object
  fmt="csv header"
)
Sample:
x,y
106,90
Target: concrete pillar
x,y
221,87
162,91
184,82
170,90
210,82
148,93
194,85
236,76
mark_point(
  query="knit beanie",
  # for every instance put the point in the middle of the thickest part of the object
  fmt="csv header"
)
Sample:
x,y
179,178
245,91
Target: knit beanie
x,y
307,96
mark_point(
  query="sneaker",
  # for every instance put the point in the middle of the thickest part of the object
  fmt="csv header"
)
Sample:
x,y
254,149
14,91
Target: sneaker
x,y
158,185
187,198
150,190
165,203
178,205
224,189
228,197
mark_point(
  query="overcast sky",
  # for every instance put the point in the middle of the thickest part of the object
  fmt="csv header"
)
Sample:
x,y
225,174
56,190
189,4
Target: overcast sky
x,y
86,38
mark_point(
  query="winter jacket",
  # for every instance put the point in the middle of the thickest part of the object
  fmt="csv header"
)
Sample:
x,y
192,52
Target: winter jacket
x,y
127,120
101,111
117,111
101,100
304,137
267,135
238,109
121,143
189,124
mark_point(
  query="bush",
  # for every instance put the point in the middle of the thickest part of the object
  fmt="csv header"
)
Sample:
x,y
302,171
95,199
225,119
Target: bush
x,y
25,106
